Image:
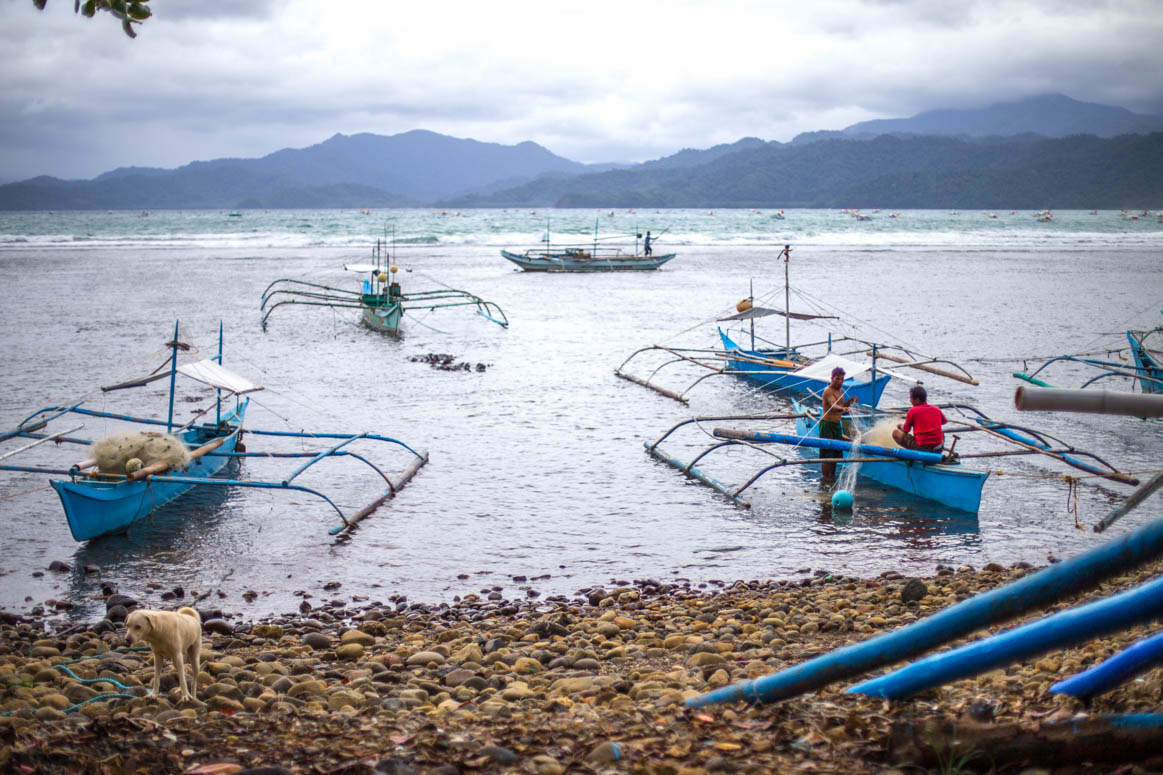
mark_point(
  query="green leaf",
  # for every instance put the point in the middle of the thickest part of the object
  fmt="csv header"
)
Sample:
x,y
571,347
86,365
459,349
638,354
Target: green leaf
x,y
127,25
89,9
139,12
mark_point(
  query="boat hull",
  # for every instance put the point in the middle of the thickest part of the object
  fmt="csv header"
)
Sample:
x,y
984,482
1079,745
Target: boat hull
x,y
952,485
569,262
385,319
1144,363
779,379
96,508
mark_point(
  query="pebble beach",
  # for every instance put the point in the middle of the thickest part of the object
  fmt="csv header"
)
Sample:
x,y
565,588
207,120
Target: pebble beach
x,y
590,683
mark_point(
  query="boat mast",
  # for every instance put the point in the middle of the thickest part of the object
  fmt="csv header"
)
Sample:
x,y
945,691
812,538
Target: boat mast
x,y
786,303
751,302
173,378
218,392
596,219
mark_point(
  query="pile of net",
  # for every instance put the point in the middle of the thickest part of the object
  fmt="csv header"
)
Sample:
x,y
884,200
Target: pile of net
x,y
124,453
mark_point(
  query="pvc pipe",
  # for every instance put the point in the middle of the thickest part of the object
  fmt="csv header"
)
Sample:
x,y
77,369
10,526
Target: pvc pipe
x,y
1090,401
1062,630
818,443
1117,670
1034,591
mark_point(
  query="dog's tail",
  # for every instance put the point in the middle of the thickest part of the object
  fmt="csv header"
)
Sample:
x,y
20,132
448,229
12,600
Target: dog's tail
x,y
190,612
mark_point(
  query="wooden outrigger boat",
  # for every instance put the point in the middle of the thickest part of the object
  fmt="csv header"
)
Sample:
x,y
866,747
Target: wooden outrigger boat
x,y
1146,351
585,258
380,299
795,370
940,478
98,503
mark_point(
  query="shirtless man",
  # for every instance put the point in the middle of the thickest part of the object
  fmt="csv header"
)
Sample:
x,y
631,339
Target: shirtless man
x,y
832,420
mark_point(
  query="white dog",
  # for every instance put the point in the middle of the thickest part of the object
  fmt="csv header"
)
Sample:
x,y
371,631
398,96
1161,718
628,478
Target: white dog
x,y
171,635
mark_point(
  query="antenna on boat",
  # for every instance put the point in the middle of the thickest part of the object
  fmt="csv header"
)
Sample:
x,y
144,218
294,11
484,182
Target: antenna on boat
x,y
786,303
596,220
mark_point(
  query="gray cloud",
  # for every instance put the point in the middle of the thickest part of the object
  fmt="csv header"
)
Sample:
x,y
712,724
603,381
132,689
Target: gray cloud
x,y
610,81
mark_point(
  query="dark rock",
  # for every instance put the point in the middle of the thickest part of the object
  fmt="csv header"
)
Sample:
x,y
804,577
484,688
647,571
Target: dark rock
x,y
218,627
117,613
395,767
913,590
316,640
60,567
122,600
90,568
500,755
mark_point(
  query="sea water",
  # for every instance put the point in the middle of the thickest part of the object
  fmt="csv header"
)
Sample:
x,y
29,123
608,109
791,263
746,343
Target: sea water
x,y
537,468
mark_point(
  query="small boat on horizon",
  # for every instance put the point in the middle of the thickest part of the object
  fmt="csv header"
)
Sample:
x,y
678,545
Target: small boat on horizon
x,y
590,257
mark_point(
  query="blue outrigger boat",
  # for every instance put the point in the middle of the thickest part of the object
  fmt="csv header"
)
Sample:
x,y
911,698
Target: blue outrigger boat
x,y
380,299
98,503
1146,351
792,370
585,258
937,477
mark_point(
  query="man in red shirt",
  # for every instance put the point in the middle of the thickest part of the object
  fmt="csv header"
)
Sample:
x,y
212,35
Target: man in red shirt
x,y
925,421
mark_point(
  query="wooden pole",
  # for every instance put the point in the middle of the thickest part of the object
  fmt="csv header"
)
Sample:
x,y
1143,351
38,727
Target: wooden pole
x,y
924,367
158,468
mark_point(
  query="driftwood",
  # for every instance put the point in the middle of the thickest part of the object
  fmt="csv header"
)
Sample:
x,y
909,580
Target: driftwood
x,y
982,747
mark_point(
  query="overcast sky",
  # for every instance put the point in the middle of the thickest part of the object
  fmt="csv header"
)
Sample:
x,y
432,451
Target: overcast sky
x,y
628,80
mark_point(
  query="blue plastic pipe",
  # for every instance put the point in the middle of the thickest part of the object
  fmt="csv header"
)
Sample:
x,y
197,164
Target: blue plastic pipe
x,y
1061,630
1036,590
835,444
1117,670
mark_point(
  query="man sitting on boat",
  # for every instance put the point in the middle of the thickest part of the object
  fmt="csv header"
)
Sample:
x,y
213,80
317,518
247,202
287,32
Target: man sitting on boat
x,y
832,420
925,421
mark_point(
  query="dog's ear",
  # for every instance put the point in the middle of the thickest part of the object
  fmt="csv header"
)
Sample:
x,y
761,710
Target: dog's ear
x,y
148,616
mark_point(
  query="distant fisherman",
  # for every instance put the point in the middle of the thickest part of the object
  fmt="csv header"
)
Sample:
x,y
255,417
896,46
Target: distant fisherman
x,y
925,420
647,250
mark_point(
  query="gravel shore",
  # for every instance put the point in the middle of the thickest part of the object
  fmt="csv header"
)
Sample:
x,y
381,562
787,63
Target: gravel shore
x,y
592,683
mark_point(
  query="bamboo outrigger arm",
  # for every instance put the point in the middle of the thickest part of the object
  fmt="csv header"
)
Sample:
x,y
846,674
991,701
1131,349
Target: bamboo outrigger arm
x,y
923,365
679,357
1039,442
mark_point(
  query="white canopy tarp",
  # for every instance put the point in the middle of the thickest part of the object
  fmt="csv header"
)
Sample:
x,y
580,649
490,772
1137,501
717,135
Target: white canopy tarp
x,y
215,375
822,369
361,267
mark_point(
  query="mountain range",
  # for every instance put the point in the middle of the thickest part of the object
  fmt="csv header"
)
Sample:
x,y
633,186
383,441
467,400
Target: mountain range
x,y
1048,151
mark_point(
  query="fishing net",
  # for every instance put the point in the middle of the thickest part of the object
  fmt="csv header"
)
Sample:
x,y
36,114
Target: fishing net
x,y
126,452
880,435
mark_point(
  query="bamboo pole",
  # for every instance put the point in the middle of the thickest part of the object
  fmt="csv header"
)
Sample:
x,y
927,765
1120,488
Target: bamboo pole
x,y
930,369
158,468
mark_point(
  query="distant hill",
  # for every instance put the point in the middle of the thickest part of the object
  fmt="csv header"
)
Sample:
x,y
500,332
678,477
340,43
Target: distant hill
x,y
363,170
1051,115
887,172
1048,151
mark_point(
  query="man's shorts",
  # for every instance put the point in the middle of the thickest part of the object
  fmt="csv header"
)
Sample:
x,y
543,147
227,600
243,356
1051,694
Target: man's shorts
x,y
910,442
831,430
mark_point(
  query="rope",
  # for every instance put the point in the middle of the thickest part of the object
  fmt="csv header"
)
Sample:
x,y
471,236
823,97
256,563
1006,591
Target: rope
x,y
26,492
99,697
1072,499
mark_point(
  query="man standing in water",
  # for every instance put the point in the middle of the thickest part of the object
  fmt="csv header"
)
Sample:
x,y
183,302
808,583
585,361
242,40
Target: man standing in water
x,y
832,421
925,420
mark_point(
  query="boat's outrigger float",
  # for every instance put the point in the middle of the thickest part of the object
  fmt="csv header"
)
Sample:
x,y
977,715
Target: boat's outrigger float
x,y
99,502
938,477
801,369
380,299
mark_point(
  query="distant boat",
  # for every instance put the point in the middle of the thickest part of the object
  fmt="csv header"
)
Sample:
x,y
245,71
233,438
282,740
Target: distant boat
x,y
588,258
380,299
